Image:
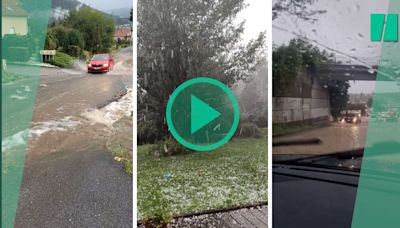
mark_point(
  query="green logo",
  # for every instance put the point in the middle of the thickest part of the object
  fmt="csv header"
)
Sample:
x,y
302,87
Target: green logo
x,y
202,114
391,27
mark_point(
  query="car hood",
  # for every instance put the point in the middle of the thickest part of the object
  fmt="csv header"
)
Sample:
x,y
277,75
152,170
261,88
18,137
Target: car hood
x,y
98,62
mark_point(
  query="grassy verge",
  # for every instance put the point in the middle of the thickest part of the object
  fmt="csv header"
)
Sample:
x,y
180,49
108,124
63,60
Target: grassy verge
x,y
233,175
62,60
122,155
285,129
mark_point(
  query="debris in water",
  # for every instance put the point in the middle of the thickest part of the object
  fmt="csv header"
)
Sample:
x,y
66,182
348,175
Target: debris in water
x,y
112,112
18,97
26,88
38,129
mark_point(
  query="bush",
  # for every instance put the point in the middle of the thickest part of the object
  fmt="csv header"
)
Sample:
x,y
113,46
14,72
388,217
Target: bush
x,y
148,132
260,121
74,51
168,147
247,130
68,40
62,60
51,41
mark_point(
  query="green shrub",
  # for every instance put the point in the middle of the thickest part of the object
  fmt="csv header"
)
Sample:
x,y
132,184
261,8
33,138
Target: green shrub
x,y
248,130
148,132
50,42
62,60
168,147
74,51
68,40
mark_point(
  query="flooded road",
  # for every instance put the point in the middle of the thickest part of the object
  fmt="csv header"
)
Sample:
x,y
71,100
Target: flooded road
x,y
70,178
334,138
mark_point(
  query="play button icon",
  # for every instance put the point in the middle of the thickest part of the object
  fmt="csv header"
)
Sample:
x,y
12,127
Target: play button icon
x,y
202,114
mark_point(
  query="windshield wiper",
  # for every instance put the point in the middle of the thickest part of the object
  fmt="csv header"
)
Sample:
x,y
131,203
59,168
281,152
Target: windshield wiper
x,y
344,160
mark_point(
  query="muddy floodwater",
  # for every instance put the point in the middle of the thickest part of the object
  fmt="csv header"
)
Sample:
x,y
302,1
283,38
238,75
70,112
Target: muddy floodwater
x,y
70,178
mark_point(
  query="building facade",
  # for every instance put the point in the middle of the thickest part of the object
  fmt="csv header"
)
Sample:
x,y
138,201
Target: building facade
x,y
14,18
306,101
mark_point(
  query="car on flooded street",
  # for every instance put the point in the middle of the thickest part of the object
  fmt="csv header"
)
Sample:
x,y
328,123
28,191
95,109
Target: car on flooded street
x,y
351,118
100,63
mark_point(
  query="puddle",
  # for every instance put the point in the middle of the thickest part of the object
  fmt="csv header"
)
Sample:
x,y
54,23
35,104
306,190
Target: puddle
x,y
37,130
112,112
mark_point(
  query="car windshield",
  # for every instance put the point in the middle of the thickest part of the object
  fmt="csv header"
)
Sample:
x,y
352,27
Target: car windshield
x,y
100,57
334,97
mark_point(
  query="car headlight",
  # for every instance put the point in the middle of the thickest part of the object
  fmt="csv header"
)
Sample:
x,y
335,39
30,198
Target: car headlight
x,y
105,64
354,119
89,65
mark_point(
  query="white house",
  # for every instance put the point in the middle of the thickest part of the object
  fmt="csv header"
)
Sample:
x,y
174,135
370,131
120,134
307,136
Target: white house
x,y
14,18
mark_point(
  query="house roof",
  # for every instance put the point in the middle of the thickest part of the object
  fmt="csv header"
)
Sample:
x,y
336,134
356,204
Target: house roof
x,y
12,8
122,32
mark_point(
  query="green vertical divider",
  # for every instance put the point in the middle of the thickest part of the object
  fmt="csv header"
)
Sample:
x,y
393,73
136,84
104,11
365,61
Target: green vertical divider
x,y
378,195
377,24
28,20
1,176
392,28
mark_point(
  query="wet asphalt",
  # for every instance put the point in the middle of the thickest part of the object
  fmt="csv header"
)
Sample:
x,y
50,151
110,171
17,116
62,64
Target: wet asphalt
x,y
70,179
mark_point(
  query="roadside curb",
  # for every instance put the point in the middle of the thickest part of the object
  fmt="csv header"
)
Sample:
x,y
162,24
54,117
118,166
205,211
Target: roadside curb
x,y
300,131
215,211
37,64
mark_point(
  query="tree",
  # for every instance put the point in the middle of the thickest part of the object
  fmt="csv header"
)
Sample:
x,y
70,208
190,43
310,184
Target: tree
x,y
179,40
300,59
50,42
67,40
338,96
289,61
97,28
297,8
253,97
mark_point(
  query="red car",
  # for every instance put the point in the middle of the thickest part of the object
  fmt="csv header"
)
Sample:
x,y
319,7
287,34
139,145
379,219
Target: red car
x,y
100,63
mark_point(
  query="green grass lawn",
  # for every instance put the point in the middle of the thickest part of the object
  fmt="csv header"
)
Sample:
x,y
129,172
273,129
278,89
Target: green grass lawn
x,y
233,175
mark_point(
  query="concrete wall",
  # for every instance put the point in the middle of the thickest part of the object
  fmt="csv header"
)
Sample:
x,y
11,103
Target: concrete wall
x,y
19,24
297,109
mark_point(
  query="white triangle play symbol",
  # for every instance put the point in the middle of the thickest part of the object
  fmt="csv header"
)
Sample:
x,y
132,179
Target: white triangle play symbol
x,y
201,114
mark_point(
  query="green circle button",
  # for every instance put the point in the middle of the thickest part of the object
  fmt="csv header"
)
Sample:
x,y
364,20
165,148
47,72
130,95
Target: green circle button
x,y
202,114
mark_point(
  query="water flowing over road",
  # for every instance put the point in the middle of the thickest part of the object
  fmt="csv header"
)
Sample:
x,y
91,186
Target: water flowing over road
x,y
70,178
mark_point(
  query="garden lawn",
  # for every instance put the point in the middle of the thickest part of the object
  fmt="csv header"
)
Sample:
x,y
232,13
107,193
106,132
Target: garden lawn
x,y
233,175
